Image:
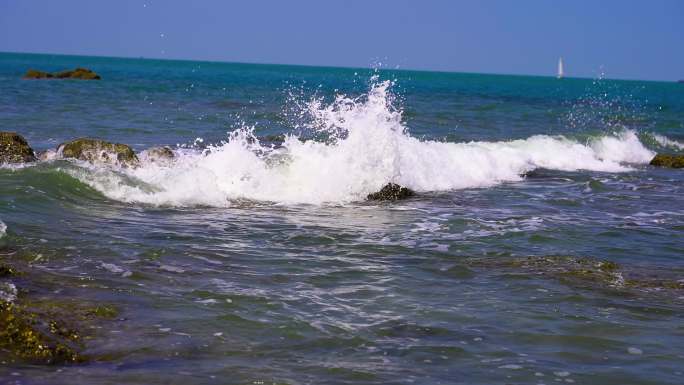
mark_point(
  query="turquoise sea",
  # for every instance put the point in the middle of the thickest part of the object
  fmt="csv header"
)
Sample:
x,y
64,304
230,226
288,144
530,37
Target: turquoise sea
x,y
541,247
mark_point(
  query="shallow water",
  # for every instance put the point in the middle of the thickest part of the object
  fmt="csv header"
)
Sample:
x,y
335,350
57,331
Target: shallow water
x,y
242,262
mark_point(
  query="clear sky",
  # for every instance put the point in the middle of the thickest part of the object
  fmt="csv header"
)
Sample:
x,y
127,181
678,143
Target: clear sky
x,y
625,39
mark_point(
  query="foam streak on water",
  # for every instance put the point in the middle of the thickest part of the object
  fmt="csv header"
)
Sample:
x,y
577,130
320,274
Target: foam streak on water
x,y
371,147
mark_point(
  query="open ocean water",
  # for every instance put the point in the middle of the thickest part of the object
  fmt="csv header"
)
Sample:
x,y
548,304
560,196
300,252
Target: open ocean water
x,y
252,260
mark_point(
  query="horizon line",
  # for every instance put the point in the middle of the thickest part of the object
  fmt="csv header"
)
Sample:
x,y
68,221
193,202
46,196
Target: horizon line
x,y
336,66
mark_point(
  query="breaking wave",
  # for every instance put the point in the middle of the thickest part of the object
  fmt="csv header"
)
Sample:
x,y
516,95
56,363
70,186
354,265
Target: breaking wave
x,y
367,146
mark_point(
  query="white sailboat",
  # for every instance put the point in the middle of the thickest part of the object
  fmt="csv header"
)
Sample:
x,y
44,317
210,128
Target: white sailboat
x,y
560,68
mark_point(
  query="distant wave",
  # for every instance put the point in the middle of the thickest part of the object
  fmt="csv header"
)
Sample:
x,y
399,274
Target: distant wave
x,y
370,147
667,142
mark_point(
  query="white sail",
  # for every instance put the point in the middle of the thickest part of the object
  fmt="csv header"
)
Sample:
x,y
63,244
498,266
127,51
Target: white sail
x,y
560,67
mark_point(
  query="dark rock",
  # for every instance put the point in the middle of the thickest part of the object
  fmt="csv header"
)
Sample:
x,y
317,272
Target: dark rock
x,y
391,192
668,160
14,148
99,151
78,73
272,139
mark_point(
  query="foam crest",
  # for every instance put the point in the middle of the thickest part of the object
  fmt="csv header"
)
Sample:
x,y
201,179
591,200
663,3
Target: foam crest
x,y
368,147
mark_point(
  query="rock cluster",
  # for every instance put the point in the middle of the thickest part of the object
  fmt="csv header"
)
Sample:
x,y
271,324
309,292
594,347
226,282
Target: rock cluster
x,y
15,149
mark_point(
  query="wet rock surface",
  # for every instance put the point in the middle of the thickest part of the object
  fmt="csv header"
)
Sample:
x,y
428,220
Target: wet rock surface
x,y
15,149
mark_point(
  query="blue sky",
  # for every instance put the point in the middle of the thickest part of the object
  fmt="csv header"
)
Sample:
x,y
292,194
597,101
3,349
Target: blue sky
x,y
625,39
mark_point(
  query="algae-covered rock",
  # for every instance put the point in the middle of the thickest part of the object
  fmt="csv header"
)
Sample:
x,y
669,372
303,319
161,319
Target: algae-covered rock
x,y
391,192
668,160
35,74
14,148
78,73
99,151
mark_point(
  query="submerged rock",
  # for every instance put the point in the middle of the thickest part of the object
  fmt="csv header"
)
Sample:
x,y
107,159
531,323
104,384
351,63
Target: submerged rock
x,y
42,328
78,73
14,148
99,151
391,192
586,272
668,160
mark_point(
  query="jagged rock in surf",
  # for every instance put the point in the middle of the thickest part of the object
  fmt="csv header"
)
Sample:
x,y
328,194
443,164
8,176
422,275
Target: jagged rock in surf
x,y
78,73
161,155
275,140
15,149
99,151
668,160
391,192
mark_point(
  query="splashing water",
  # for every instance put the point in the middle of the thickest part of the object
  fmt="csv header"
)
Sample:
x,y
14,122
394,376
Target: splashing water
x,y
368,147
8,292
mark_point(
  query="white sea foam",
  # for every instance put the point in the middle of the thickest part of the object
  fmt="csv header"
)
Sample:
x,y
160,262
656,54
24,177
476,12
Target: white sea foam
x,y
370,148
667,142
3,229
